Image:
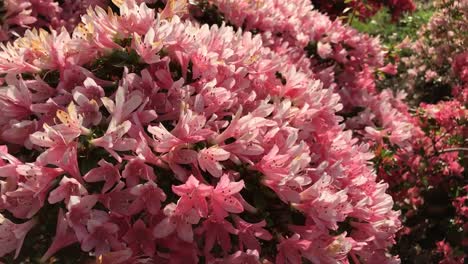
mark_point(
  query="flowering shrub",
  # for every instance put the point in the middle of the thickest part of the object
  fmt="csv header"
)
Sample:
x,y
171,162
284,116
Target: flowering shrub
x,y
426,64
428,185
381,119
428,180
337,55
143,137
364,9
17,16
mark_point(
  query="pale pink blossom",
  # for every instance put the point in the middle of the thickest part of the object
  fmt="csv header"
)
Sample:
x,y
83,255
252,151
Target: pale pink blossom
x,y
217,232
223,197
135,170
12,235
208,159
114,140
180,223
67,188
139,239
64,236
249,233
149,197
106,172
193,196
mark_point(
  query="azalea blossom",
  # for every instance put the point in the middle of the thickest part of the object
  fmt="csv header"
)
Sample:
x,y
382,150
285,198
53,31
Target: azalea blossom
x,y
192,197
13,235
223,197
161,138
181,224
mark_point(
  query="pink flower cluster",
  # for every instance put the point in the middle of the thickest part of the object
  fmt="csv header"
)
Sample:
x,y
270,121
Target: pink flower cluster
x,y
427,67
25,14
460,69
18,16
332,52
433,167
337,55
162,140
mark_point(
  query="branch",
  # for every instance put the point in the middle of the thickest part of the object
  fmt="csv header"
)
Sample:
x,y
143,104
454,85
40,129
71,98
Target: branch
x,y
453,150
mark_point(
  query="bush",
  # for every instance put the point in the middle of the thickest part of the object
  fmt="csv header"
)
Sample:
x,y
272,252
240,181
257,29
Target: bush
x,y
151,138
221,131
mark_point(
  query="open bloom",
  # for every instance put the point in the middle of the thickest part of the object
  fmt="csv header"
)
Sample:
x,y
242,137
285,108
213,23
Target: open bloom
x,y
209,159
64,236
180,223
114,140
12,235
192,197
223,197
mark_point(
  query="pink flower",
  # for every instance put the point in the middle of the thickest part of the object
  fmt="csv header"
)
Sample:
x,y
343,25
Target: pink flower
x,y
59,140
165,141
389,69
139,239
192,197
37,179
149,197
89,109
339,248
290,249
22,203
52,137
217,231
72,123
243,125
248,234
324,50
136,18
174,8
79,211
106,172
149,48
191,126
274,165
18,132
181,223
430,75
12,235
63,156
189,129
118,200
90,89
325,205
208,159
135,170
178,157
64,236
4,155
15,100
102,235
125,104
113,140
223,198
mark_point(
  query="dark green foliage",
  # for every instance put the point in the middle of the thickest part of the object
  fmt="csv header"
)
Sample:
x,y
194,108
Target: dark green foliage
x,y
393,33
111,66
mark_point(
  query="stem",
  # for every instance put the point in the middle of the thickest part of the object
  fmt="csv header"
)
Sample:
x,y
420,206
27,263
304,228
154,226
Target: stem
x,y
354,258
352,17
453,150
